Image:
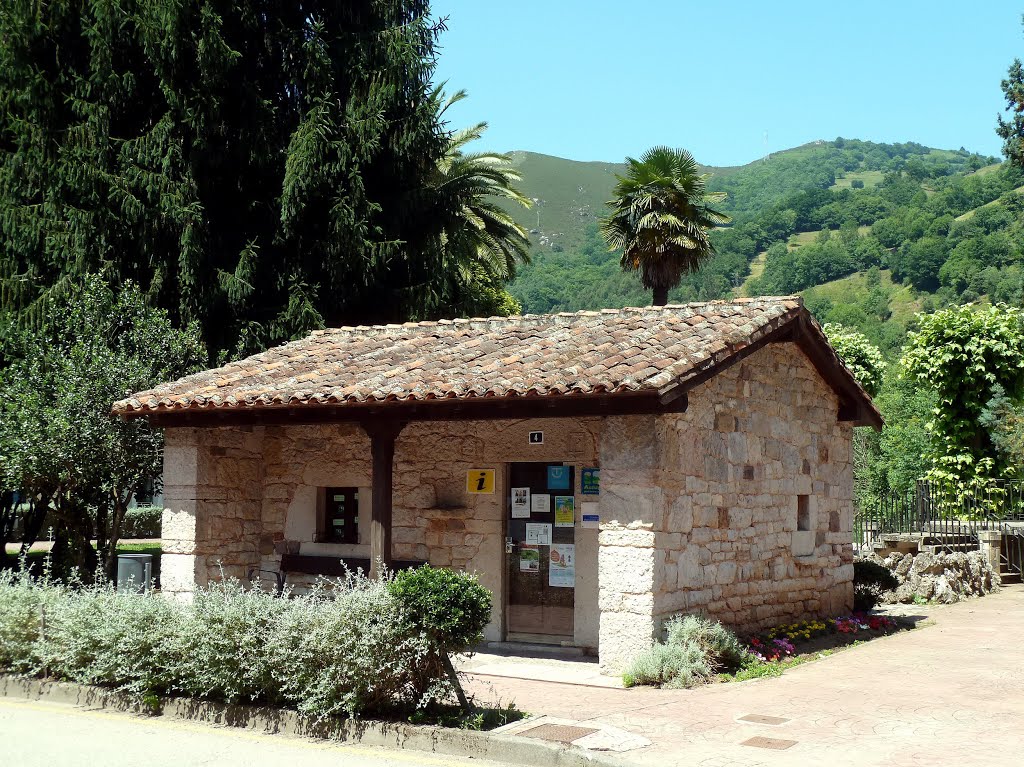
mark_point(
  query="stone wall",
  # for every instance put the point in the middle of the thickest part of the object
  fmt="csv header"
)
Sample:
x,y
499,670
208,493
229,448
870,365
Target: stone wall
x,y
213,497
699,511
434,518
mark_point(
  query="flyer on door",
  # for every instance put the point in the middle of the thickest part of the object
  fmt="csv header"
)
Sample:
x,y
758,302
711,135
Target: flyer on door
x,y
562,565
565,511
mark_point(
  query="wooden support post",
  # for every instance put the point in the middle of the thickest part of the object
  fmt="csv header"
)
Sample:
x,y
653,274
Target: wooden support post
x,y
382,450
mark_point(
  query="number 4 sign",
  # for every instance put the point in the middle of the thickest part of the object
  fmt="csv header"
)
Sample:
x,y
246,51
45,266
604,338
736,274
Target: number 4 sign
x,y
480,481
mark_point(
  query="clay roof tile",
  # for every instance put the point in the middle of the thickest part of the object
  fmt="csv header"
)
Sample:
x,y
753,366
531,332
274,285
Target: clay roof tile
x,y
586,352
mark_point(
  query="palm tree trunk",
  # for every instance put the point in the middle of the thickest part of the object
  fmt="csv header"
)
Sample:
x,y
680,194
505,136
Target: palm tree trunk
x,y
660,296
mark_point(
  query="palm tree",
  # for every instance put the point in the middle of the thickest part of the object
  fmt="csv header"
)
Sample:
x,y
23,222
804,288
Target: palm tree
x,y
660,218
478,236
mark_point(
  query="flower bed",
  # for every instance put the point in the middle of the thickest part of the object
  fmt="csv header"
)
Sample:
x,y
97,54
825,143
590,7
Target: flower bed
x,y
697,650
795,639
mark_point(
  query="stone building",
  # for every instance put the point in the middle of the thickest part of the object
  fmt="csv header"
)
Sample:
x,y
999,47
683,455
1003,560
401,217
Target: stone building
x,y
600,471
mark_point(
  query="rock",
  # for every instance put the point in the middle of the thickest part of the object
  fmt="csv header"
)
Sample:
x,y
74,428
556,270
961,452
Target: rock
x,y
901,564
903,593
941,577
928,563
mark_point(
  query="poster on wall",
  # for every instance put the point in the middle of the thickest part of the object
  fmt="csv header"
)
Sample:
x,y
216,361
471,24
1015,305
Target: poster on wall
x,y
520,503
591,517
538,534
540,503
529,559
565,511
562,568
558,477
590,482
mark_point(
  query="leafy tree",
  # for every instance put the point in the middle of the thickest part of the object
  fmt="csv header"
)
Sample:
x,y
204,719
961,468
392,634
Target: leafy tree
x,y
258,168
59,445
968,356
661,217
861,356
919,262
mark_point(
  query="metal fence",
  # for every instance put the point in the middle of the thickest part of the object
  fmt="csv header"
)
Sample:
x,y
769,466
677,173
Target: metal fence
x,y
946,519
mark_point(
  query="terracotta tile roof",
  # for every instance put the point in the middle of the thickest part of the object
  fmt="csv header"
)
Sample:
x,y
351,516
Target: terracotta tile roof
x,y
592,352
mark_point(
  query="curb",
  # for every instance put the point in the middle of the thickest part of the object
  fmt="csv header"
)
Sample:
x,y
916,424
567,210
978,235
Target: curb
x,y
396,735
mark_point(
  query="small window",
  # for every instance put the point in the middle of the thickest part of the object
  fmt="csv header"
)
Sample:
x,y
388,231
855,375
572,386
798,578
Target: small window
x,y
341,515
803,512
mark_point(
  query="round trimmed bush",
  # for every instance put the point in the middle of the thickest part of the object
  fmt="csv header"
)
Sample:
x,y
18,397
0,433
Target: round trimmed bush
x,y
450,607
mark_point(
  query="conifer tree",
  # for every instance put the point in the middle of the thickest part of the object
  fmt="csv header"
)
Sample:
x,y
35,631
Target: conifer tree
x,y
261,168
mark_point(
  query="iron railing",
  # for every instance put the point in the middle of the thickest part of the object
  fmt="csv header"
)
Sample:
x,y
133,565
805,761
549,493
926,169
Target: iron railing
x,y
947,520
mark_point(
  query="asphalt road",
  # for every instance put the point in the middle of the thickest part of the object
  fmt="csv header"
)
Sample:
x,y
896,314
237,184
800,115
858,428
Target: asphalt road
x,y
42,734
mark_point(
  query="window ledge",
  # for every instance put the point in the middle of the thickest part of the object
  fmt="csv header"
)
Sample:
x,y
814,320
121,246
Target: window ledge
x,y
311,549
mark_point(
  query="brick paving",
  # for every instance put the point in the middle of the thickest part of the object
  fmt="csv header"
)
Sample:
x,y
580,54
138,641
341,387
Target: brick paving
x,y
948,692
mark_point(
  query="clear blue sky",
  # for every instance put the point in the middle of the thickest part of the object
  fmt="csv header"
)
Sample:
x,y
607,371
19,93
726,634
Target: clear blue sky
x,y
602,79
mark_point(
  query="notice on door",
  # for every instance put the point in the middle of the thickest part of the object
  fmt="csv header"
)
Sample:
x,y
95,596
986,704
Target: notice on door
x,y
529,559
538,534
562,567
520,503
565,511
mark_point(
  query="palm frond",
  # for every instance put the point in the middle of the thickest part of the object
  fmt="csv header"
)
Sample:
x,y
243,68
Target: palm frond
x,y
478,236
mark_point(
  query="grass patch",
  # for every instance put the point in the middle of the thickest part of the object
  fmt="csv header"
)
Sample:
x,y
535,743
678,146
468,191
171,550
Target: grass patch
x,y
806,238
854,289
756,270
802,238
140,548
871,179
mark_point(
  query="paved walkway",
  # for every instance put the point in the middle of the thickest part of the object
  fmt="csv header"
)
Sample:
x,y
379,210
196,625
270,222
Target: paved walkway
x,y
44,734
948,692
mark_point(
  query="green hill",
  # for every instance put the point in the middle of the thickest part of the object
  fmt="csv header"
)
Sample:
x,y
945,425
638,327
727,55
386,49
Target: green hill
x,y
825,218
569,195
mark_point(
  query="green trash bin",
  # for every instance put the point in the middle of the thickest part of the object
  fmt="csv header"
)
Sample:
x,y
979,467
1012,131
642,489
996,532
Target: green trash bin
x,y
134,572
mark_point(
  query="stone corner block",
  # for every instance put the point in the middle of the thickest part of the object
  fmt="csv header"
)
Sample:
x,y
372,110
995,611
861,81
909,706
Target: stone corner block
x,y
181,573
623,636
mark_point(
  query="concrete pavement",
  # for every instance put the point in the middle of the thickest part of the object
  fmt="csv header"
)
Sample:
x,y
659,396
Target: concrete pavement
x,y
946,693
46,734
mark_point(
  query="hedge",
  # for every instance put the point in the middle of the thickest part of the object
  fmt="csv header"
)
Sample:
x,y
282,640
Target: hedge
x,y
353,649
142,522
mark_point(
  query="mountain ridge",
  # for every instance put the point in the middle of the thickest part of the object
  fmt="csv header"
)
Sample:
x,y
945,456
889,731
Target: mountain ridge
x,y
803,217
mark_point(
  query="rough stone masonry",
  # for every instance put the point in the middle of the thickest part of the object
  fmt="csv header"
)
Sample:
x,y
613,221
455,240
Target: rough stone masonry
x,y
739,508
